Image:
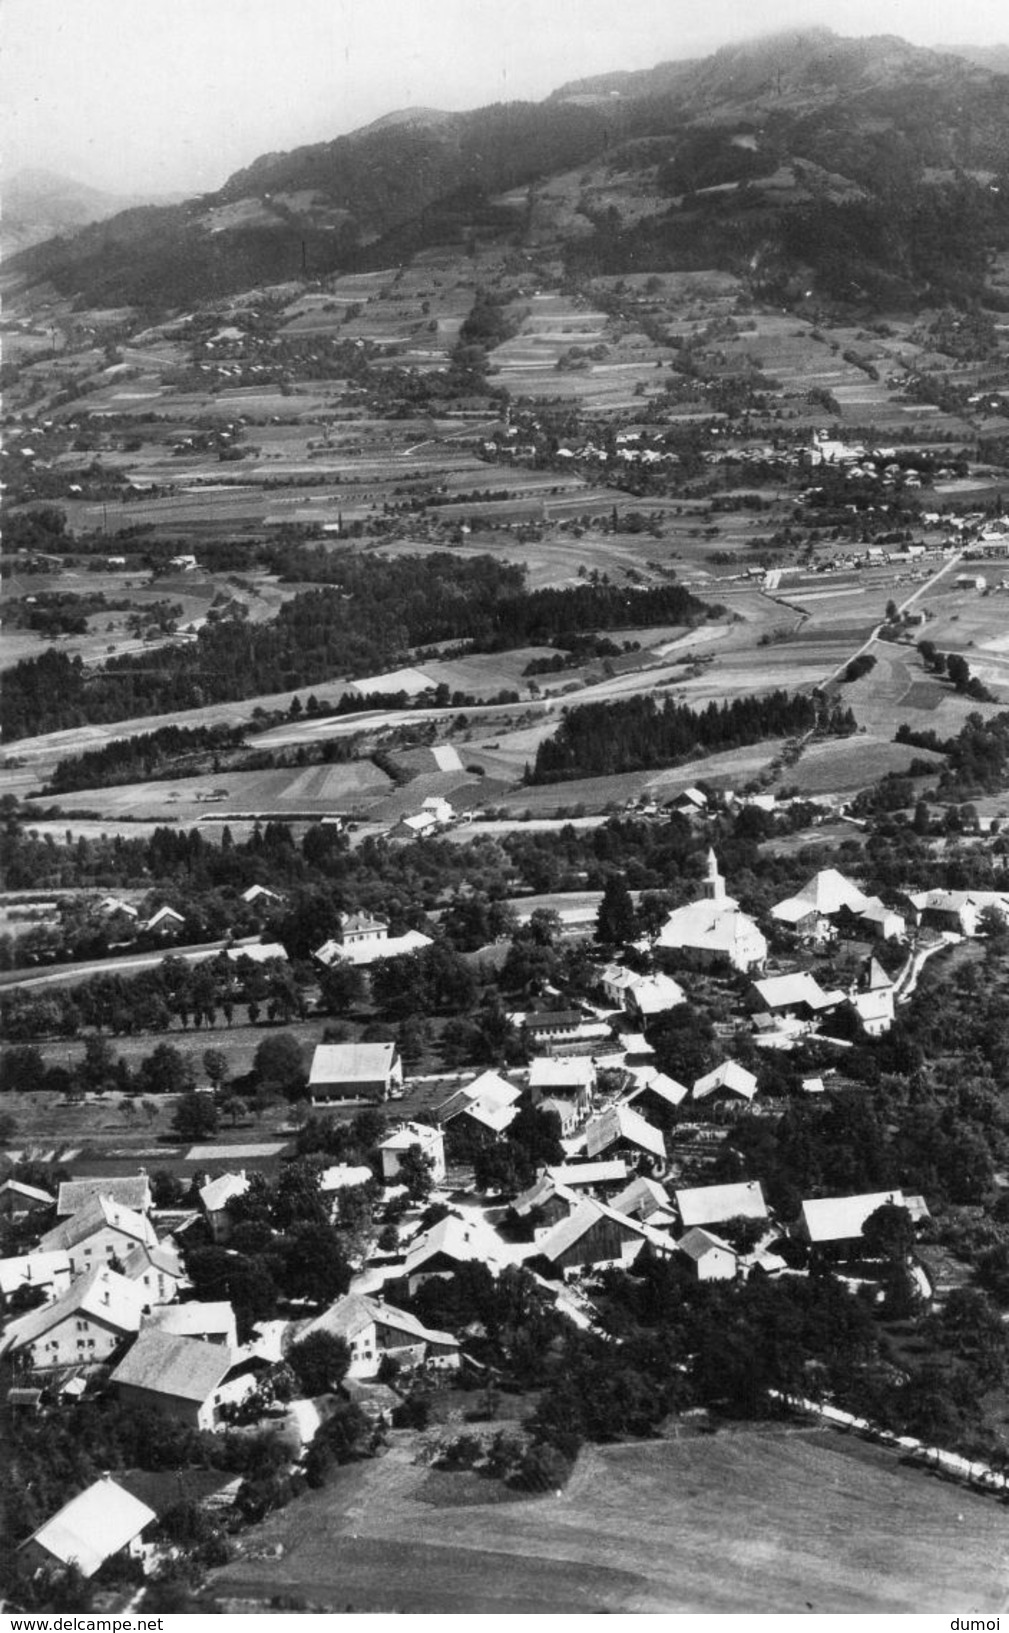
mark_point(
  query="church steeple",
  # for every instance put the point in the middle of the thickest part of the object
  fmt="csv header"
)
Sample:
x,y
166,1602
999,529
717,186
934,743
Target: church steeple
x,y
714,884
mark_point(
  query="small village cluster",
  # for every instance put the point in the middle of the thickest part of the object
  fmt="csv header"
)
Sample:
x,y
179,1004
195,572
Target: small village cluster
x,y
104,1291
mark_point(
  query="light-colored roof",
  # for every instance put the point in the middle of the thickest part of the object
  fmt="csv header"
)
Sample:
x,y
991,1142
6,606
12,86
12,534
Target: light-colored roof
x,y
792,909
162,914
193,1319
344,1176
729,1075
716,927
574,1174
165,1257
347,1318
460,1239
655,993
101,1294
100,1213
665,1087
643,1197
635,1043
401,1139
828,891
561,1071
93,1526
801,987
30,1193
494,1118
217,1193
713,1204
372,952
169,1364
129,1190
32,1270
697,1243
841,1218
351,1062
623,1123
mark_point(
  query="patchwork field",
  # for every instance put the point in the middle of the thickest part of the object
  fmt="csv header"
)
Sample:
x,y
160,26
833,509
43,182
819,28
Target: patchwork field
x,y
751,1521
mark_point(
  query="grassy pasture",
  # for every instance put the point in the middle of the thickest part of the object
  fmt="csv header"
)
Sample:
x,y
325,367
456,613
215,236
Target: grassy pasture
x,y
776,1520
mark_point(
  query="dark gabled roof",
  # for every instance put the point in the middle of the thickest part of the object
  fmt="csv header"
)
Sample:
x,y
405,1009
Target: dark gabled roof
x,y
185,1368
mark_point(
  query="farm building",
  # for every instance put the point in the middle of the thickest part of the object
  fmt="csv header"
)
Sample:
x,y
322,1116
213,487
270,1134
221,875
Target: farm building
x,y
371,1329
799,996
182,1378
837,1222
958,911
83,1327
714,1204
211,1321
93,1526
592,1235
710,1258
812,912
600,1177
355,1071
429,1141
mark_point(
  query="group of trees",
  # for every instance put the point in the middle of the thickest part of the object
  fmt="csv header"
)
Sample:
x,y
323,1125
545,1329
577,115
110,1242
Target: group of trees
x,y
643,733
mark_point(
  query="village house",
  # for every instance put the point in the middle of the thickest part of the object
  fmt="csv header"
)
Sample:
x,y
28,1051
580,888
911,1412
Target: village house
x,y
91,1528
714,929
957,911
362,940
620,1131
544,1203
260,893
726,1081
429,1141
709,1257
157,1270
101,1231
649,995
182,1378
548,1026
371,1329
478,1112
872,996
355,1071
657,1098
215,1199
448,1244
570,1079
716,1204
644,1199
166,922
81,1328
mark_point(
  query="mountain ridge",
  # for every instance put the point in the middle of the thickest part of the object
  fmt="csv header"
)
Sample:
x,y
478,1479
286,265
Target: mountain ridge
x,y
878,114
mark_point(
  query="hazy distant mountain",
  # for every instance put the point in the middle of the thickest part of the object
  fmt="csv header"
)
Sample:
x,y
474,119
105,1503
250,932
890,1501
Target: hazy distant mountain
x,y
993,57
859,165
37,204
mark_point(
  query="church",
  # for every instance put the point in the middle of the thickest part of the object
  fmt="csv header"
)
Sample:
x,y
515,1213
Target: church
x,y
715,928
